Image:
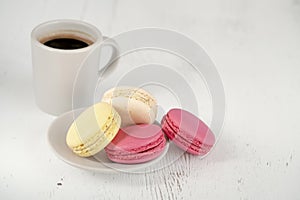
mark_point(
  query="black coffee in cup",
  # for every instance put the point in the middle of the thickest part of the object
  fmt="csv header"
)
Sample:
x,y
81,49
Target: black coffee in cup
x,y
66,42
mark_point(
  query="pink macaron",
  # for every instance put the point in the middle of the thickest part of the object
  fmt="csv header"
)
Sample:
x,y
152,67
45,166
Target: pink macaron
x,y
188,132
136,144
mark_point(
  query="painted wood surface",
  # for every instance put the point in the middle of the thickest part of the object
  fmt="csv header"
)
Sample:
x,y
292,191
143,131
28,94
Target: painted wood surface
x,y
256,47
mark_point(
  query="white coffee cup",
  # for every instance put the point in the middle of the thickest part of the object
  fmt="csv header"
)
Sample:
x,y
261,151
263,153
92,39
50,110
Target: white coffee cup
x,y
55,70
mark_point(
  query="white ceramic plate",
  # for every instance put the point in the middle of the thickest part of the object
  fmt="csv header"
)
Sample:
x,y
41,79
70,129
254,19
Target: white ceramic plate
x,y
100,163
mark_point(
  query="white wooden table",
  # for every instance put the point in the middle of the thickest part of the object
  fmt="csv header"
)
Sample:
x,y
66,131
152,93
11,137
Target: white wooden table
x,y
256,47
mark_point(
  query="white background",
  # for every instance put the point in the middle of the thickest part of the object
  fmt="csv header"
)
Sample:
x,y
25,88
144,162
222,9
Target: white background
x,y
256,47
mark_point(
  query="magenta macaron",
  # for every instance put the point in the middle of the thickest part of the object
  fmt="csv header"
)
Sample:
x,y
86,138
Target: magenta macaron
x,y
136,144
188,132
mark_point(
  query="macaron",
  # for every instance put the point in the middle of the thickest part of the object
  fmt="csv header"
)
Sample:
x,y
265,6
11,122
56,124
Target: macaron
x,y
135,105
188,132
136,144
93,129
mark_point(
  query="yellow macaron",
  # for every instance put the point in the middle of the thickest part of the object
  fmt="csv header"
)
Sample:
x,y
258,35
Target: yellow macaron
x,y
93,129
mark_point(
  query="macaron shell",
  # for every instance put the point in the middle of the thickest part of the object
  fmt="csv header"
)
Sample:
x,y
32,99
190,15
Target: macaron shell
x,y
134,105
101,143
188,132
89,122
184,144
131,137
190,127
133,147
136,144
93,129
140,157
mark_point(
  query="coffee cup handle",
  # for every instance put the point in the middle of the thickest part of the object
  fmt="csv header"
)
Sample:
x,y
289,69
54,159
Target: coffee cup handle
x,y
113,60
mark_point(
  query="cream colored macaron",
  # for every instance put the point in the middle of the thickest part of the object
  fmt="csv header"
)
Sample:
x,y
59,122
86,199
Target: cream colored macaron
x,y
135,105
93,129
